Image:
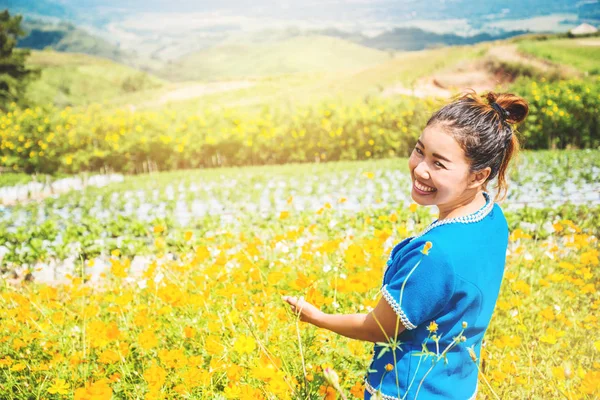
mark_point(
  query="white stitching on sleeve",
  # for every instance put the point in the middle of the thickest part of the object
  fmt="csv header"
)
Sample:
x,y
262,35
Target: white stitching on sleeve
x,y
397,309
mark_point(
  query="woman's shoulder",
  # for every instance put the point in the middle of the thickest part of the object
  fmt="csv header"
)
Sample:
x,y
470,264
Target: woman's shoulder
x,y
417,247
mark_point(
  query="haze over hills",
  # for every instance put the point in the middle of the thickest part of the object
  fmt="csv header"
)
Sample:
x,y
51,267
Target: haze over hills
x,y
193,44
306,53
160,30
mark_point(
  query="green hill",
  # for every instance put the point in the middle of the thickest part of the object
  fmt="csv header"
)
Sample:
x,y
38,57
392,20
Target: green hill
x,y
288,56
288,72
66,37
80,79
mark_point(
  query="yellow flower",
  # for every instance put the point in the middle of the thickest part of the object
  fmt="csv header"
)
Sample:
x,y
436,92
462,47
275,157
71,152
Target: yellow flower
x,y
109,357
413,207
59,387
213,345
18,367
244,344
433,327
389,367
426,248
147,340
549,338
558,372
591,382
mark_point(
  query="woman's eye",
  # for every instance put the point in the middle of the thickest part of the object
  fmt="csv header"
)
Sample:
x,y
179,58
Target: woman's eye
x,y
439,164
418,150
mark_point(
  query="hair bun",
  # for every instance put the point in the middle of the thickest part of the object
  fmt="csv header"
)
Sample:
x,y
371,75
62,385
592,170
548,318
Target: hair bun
x,y
516,106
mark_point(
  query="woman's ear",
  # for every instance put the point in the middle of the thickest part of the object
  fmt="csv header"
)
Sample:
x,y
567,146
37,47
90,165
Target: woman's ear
x,y
478,178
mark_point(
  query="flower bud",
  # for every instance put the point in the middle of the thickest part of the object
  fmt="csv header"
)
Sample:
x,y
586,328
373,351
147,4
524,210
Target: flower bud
x,y
332,377
472,353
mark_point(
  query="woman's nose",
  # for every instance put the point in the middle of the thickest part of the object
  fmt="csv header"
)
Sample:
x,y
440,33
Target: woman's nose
x,y
421,170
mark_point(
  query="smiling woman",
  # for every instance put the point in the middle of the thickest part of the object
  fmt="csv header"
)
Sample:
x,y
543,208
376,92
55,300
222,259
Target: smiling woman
x,y
440,287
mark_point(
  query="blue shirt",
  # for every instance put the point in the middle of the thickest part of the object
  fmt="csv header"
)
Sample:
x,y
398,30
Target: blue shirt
x,y
454,278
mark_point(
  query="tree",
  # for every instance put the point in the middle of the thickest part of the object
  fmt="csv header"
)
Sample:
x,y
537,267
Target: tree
x,y
14,75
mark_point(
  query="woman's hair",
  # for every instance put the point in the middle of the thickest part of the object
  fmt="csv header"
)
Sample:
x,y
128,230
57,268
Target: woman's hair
x,y
484,131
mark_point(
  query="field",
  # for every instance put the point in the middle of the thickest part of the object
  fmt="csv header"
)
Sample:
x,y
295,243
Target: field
x,y
120,281
139,284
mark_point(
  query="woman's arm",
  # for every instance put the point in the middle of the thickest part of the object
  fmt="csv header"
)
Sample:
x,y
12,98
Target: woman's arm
x,y
379,325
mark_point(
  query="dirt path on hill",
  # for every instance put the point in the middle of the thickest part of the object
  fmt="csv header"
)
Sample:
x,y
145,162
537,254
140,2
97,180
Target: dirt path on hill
x,y
468,75
509,53
477,75
201,89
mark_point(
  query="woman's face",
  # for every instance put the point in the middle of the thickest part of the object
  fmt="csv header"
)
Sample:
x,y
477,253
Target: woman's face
x,y
439,170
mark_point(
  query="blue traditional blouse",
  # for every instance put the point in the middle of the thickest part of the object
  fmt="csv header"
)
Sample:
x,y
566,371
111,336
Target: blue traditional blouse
x,y
454,281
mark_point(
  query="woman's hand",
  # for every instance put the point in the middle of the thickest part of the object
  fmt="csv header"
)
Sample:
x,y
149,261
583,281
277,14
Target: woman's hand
x,y
307,312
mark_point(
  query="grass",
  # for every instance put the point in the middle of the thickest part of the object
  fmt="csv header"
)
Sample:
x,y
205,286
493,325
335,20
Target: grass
x,y
72,79
578,53
287,73
250,60
341,87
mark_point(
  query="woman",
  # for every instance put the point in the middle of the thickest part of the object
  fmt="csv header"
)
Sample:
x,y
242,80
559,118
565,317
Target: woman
x,y
440,286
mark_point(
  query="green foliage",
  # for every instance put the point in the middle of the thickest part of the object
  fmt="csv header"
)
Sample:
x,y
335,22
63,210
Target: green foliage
x,y
14,75
13,179
562,114
50,139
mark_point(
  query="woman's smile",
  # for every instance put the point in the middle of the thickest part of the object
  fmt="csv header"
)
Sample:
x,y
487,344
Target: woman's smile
x,y
421,188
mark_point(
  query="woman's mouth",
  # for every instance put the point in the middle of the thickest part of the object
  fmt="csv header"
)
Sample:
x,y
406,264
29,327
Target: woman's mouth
x,y
423,189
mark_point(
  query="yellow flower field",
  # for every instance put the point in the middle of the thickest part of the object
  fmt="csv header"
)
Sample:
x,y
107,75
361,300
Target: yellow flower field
x,y
210,323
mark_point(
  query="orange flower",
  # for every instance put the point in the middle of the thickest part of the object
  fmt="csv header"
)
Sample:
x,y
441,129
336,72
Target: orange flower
x,y
189,332
358,390
155,376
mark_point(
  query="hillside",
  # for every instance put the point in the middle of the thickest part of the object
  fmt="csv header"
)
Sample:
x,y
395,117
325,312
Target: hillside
x,y
80,79
66,37
288,56
412,38
72,79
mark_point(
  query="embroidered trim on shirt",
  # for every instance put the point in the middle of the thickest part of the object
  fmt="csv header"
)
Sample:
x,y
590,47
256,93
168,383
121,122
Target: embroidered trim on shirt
x,y
372,390
465,219
396,307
